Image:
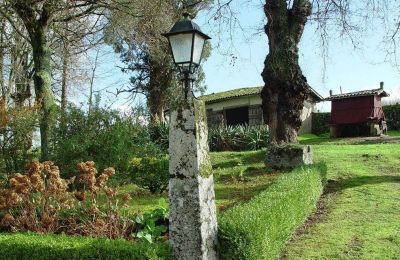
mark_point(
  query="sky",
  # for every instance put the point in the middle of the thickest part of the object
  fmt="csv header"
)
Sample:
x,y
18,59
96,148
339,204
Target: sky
x,y
238,56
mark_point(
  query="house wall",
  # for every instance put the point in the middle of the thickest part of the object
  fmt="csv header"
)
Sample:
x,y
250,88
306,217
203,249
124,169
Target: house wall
x,y
215,111
306,117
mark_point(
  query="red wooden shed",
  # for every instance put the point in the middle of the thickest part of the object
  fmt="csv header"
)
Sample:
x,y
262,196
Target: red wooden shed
x,y
358,113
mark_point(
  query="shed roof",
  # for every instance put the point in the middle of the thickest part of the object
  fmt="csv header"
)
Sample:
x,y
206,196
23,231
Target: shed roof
x,y
362,93
242,92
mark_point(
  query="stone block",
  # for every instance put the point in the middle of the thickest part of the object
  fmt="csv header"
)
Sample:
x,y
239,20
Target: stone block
x,y
288,156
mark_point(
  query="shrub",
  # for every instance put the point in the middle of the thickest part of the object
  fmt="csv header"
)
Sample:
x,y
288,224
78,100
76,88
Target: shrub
x,y
103,136
320,123
40,201
153,224
392,114
238,138
17,126
260,228
159,134
150,173
26,246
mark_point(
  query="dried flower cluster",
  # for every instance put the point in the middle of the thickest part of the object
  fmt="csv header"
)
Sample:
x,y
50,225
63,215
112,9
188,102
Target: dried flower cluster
x,y
42,201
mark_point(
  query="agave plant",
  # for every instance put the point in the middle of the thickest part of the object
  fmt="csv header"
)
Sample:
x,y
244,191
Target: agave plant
x,y
237,138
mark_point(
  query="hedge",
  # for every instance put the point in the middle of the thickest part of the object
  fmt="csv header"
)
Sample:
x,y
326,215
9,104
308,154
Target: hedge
x,y
34,246
260,228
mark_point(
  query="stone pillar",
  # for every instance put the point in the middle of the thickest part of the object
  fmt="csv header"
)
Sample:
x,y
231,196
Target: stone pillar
x,y
193,222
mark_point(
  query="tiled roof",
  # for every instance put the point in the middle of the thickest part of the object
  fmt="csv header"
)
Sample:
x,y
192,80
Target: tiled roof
x,y
362,93
234,93
240,92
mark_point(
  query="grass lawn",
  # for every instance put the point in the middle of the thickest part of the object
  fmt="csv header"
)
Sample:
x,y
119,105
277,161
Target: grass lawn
x,y
238,177
359,214
393,133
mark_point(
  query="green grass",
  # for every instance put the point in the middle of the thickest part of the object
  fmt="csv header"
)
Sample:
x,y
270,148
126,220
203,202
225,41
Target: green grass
x,y
393,133
360,213
238,177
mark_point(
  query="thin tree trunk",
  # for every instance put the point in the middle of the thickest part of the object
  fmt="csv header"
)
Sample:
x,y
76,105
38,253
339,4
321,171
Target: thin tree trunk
x,y
2,85
64,84
42,79
92,81
37,29
285,87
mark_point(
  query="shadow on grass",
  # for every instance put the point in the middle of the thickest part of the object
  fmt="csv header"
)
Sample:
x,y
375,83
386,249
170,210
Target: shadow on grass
x,y
342,184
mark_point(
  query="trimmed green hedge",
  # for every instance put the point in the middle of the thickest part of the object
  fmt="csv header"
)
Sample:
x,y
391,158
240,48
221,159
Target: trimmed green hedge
x,y
33,246
260,228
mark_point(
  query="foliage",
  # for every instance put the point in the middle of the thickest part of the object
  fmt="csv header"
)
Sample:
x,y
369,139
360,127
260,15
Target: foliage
x,y
392,114
358,216
103,136
153,224
151,173
40,201
320,123
238,176
238,138
17,126
260,228
159,134
27,246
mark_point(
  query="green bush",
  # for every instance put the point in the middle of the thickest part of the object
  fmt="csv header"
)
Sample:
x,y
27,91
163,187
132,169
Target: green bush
x,y
33,246
159,134
150,173
320,123
238,138
17,126
392,114
260,228
103,136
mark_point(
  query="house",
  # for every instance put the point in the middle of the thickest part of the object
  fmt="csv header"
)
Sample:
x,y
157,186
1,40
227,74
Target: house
x,y
357,113
243,106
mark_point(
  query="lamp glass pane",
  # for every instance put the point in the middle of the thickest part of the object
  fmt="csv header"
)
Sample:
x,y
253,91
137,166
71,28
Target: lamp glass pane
x,y
198,48
181,45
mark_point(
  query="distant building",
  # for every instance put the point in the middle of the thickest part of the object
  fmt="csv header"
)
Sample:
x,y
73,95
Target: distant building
x,y
358,113
243,106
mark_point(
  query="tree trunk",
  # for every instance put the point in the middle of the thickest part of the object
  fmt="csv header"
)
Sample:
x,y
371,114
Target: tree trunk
x,y
64,84
157,91
42,79
2,85
285,87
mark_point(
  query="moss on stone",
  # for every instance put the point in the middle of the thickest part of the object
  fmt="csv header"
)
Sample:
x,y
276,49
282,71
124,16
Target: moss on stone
x,y
205,170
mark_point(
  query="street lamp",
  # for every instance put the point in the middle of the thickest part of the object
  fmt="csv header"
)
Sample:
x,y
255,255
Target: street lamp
x,y
186,42
192,218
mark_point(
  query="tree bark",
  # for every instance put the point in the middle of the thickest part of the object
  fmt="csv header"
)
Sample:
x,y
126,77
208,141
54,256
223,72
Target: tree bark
x,y
285,88
160,78
37,30
2,84
64,83
44,94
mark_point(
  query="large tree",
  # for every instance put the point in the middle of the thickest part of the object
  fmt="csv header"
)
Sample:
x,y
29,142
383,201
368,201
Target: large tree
x,y
136,37
285,85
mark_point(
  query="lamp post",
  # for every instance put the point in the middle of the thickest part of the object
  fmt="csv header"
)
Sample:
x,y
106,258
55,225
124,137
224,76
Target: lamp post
x,y
193,222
